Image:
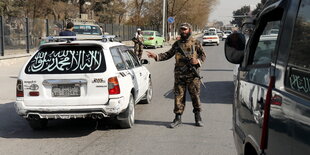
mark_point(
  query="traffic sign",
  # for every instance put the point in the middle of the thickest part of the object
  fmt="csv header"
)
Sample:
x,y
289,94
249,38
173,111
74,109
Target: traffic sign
x,y
170,20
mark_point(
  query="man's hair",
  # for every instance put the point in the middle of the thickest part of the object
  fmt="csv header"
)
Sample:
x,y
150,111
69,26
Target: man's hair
x,y
69,25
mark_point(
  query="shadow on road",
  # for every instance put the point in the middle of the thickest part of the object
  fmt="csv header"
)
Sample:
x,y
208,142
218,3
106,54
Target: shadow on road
x,y
159,123
14,126
218,92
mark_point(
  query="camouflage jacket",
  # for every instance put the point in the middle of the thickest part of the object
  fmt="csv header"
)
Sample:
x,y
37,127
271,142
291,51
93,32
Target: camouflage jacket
x,y
192,48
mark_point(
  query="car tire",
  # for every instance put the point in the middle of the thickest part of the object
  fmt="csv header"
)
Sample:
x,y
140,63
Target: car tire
x,y
217,44
148,94
128,117
38,124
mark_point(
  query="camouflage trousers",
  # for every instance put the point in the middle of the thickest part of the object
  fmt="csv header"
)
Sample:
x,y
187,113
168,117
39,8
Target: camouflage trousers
x,y
180,87
138,50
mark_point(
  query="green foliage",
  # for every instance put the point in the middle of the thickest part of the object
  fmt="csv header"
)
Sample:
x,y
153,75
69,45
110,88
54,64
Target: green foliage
x,y
239,15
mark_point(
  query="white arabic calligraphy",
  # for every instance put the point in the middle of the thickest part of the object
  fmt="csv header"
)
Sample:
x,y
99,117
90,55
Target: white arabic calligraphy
x,y
66,60
301,84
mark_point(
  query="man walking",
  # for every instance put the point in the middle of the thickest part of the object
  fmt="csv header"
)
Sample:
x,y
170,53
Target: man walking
x,y
189,54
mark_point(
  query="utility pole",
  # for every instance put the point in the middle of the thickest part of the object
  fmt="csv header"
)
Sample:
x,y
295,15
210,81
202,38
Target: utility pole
x,y
164,18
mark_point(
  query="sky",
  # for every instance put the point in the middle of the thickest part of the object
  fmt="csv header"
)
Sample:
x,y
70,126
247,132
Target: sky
x,y
223,10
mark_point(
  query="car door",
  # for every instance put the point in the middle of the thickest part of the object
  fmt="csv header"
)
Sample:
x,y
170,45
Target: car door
x,y
144,74
297,81
135,71
254,81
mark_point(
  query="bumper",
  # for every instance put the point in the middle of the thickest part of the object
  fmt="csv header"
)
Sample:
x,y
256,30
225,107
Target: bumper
x,y
112,108
210,41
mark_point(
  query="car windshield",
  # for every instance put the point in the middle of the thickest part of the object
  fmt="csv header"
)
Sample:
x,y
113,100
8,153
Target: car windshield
x,y
209,34
147,33
67,59
87,29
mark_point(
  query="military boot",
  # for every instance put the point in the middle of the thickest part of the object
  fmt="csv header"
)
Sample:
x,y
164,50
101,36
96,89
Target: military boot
x,y
198,121
176,122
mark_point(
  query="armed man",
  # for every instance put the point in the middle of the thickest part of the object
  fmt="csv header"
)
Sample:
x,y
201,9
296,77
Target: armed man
x,y
138,40
189,54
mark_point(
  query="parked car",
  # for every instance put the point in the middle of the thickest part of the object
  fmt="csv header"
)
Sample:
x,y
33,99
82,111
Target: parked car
x,y
271,104
210,38
152,39
86,27
82,79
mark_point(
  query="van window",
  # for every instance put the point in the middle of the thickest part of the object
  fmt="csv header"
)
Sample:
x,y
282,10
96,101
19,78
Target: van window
x,y
298,78
87,29
262,56
67,60
117,58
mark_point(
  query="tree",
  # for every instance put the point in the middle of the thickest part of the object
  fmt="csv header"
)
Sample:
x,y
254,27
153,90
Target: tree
x,y
239,15
109,11
259,7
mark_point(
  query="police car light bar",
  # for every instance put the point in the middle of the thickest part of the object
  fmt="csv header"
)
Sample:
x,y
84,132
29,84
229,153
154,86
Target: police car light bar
x,y
104,38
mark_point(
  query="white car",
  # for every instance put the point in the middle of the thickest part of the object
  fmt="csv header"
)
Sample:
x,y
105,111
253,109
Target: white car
x,y
226,34
80,79
210,38
212,29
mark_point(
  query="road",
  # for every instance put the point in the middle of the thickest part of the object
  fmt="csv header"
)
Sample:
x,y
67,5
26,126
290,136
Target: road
x,y
150,134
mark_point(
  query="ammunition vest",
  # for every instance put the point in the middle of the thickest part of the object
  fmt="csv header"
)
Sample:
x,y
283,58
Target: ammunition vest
x,y
189,50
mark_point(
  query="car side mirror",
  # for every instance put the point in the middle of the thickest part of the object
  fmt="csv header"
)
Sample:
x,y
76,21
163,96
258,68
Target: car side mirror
x,y
144,61
234,48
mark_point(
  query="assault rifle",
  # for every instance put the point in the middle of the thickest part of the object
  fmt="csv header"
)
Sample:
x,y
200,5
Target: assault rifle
x,y
136,40
189,66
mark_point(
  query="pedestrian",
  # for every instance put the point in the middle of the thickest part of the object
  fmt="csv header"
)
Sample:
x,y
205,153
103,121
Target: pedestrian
x,y
138,40
68,31
185,50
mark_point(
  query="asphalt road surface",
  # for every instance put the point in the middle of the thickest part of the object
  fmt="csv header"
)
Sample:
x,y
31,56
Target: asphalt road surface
x,y
149,136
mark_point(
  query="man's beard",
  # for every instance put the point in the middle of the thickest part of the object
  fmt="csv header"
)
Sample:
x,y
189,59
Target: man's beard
x,y
185,36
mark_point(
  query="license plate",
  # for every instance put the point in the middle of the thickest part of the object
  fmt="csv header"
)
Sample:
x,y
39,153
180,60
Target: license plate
x,y
69,90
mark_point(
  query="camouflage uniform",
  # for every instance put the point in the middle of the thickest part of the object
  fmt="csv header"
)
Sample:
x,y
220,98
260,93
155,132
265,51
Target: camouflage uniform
x,y
138,45
185,79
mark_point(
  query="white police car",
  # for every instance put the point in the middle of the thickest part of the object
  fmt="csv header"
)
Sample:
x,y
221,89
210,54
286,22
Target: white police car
x,y
80,79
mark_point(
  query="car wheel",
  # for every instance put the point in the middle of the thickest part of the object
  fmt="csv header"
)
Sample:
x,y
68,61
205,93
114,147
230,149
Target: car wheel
x,y
128,117
148,94
38,124
217,44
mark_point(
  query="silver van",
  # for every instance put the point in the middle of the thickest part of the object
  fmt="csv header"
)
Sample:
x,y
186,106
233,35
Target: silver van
x,y
271,106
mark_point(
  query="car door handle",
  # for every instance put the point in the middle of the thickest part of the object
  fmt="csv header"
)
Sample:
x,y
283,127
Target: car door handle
x,y
140,74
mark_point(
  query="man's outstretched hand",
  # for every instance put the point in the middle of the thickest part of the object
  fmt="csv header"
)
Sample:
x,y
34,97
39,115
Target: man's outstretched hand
x,y
151,54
